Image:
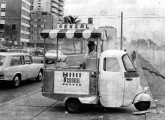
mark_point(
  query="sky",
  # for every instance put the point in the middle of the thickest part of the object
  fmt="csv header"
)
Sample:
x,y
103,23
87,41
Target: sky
x,y
142,19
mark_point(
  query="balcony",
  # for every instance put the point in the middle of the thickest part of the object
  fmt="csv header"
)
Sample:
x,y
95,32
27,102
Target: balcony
x,y
62,0
57,1
54,10
54,5
61,4
60,13
60,8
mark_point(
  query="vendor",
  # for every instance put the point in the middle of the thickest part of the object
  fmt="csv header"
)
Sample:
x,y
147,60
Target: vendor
x,y
91,50
91,54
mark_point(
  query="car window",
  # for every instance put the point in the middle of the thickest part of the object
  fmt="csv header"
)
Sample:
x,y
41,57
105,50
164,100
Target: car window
x,y
128,64
52,51
111,64
28,60
2,60
16,60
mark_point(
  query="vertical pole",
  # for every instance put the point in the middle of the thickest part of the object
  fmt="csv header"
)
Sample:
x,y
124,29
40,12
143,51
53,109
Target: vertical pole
x,y
121,43
44,52
97,53
57,49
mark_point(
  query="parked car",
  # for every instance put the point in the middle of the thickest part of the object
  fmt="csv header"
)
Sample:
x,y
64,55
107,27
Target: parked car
x,y
51,55
16,67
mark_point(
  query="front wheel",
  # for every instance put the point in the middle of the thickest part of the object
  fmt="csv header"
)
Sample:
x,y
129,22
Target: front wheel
x,y
16,81
40,76
143,105
73,105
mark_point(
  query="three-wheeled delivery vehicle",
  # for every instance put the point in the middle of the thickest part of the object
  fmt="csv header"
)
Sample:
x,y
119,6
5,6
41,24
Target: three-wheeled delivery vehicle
x,y
110,80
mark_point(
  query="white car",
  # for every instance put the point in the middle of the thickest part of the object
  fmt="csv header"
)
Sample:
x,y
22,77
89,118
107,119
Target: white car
x,y
51,55
16,67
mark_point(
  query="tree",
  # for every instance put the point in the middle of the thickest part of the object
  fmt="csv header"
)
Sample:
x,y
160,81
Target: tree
x,y
10,34
71,19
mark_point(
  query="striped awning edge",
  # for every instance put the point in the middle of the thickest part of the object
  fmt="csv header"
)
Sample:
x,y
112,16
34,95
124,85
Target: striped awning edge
x,y
70,33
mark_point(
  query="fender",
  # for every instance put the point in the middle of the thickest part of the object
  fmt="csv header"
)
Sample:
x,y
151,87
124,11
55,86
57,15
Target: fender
x,y
142,97
89,100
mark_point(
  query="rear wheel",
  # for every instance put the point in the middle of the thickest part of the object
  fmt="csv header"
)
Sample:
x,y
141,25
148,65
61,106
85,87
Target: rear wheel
x,y
73,105
16,81
143,105
40,76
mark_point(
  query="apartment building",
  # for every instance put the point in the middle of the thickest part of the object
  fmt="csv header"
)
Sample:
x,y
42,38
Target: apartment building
x,y
15,18
55,7
46,14
40,21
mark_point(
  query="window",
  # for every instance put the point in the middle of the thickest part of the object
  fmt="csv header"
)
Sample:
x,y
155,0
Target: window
x,y
42,26
2,60
111,64
35,20
43,20
128,64
2,17
16,60
3,1
3,9
28,60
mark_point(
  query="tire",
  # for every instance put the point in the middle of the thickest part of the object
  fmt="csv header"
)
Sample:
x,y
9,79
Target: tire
x,y
73,105
64,59
16,81
59,60
46,61
39,76
143,105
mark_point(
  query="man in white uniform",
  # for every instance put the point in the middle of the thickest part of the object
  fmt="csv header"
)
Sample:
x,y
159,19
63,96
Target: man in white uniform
x,y
91,54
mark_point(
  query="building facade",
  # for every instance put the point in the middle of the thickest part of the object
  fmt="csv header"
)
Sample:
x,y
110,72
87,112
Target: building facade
x,y
55,7
40,21
15,18
46,14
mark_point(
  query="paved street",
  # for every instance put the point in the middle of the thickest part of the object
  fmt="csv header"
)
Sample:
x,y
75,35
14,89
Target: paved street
x,y
7,93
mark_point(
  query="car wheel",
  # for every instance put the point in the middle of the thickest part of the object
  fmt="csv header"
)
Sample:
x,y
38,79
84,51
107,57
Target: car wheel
x,y
16,81
73,105
40,76
143,105
64,59
59,60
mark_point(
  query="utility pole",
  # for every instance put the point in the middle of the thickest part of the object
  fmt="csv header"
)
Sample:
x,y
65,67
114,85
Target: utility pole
x,y
121,42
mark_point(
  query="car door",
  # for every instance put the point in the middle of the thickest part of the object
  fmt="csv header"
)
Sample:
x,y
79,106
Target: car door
x,y
111,82
132,81
31,69
16,65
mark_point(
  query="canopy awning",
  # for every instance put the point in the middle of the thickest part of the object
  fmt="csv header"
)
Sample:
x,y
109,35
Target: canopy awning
x,y
70,33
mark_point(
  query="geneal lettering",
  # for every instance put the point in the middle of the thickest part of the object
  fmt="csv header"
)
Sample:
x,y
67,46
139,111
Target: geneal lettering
x,y
73,26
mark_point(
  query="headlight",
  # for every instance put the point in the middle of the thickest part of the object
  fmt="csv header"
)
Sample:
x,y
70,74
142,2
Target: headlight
x,y
146,89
